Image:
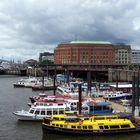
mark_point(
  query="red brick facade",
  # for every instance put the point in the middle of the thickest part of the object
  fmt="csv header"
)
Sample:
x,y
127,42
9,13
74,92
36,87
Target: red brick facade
x,y
84,53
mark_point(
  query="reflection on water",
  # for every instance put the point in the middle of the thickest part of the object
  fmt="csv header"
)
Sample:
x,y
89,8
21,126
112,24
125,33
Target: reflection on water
x,y
127,136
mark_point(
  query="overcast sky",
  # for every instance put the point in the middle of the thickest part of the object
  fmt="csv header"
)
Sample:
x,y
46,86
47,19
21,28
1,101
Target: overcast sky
x,y
29,27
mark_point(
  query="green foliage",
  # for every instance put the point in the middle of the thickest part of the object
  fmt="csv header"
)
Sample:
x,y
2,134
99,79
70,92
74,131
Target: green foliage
x,y
44,62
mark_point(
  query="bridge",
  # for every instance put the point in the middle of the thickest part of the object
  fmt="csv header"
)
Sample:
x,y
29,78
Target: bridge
x,y
106,72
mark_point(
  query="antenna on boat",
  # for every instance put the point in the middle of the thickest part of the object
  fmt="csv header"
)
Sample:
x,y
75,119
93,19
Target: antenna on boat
x,y
79,95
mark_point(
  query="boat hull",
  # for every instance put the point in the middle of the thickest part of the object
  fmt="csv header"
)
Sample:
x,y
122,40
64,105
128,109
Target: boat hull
x,y
18,85
48,129
118,97
43,88
28,117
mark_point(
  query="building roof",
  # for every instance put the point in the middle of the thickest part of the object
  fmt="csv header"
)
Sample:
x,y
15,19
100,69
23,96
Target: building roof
x,y
90,42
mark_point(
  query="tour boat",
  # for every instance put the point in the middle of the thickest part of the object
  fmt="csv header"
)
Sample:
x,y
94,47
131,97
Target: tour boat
x,y
39,110
37,113
89,125
117,95
26,82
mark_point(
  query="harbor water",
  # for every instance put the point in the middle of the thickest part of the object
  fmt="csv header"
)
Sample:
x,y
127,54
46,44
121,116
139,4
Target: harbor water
x,y
13,99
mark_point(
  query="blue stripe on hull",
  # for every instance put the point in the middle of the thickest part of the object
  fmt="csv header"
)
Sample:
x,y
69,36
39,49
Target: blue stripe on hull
x,y
117,98
47,129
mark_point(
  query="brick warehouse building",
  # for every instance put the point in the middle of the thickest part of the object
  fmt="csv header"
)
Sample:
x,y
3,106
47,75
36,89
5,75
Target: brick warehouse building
x,y
85,52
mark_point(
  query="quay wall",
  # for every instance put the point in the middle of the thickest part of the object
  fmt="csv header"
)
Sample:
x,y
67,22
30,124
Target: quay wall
x,y
16,72
110,76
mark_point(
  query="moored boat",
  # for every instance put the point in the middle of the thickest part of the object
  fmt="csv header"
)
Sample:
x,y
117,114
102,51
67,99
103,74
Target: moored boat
x,y
39,110
114,95
37,113
89,125
19,83
66,91
42,97
26,82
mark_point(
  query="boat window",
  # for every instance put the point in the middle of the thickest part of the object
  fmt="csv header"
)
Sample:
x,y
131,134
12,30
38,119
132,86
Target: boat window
x,y
55,118
89,126
49,113
37,103
99,118
60,104
84,108
37,112
61,125
86,118
59,90
61,112
61,119
125,126
54,112
84,127
65,126
91,108
31,111
101,127
57,125
73,126
106,107
43,112
79,127
114,126
67,109
97,108
112,117
106,127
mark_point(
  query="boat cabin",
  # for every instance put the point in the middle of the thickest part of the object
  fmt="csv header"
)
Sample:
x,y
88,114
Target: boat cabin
x,y
48,110
103,123
126,88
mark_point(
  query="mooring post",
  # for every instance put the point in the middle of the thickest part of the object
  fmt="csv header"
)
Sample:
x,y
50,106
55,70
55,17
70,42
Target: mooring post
x,y
80,96
133,93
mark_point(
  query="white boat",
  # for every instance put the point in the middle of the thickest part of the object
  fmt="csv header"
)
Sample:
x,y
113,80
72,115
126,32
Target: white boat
x,y
26,82
37,113
31,81
66,91
20,83
117,95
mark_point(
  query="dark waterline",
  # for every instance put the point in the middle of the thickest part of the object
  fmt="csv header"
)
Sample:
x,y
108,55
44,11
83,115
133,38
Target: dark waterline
x,y
13,99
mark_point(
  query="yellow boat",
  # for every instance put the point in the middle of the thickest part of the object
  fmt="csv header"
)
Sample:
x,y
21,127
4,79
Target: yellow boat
x,y
88,125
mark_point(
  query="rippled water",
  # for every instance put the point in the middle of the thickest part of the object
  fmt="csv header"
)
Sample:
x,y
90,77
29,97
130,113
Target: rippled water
x,y
12,99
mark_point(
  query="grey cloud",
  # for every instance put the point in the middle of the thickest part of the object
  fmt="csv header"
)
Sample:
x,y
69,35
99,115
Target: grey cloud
x,y
34,25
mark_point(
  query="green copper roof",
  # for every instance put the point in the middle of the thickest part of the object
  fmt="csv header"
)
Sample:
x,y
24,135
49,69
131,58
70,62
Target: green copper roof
x,y
90,42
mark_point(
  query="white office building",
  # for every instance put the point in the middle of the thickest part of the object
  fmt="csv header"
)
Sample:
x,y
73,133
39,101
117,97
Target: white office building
x,y
135,58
